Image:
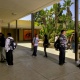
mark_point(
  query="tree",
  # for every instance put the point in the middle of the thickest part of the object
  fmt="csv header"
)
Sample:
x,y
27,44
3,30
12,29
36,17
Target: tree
x,y
67,4
46,20
53,20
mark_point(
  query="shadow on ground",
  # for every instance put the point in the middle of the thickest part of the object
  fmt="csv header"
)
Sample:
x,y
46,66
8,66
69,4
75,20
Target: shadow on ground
x,y
52,57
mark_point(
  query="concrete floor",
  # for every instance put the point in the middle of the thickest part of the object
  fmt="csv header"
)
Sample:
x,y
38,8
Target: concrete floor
x,y
27,67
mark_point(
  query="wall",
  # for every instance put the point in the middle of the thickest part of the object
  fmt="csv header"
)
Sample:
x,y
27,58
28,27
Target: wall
x,y
20,34
12,31
25,34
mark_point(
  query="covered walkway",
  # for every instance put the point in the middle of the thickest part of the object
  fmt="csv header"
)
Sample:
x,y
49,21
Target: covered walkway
x,y
27,67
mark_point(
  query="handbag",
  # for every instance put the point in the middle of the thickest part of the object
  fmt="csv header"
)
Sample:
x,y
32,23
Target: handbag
x,y
46,45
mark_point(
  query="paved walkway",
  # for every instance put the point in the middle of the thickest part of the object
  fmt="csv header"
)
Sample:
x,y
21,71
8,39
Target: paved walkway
x,y
27,67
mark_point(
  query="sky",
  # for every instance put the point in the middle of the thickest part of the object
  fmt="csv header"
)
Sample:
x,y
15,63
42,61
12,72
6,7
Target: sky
x,y
28,17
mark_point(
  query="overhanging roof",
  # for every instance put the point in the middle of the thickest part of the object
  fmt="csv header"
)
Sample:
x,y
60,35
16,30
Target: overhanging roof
x,y
11,10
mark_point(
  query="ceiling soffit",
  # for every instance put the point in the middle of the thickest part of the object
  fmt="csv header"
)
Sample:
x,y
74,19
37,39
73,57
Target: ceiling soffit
x,y
11,10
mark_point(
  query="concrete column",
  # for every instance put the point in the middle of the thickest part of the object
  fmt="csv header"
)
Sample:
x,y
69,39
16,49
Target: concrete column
x,y
8,27
76,30
16,32
0,29
0,25
32,27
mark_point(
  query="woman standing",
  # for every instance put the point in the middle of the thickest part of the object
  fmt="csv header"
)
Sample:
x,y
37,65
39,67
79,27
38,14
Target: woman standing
x,y
45,44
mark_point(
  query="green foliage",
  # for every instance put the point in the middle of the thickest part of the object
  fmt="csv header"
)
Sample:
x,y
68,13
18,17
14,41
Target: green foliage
x,y
69,32
79,39
36,24
52,37
67,3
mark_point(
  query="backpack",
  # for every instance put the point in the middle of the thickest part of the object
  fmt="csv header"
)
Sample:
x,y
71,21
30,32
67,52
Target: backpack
x,y
12,44
33,42
57,44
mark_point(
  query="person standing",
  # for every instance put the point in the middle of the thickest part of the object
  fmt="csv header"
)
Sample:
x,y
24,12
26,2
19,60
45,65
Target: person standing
x,y
2,50
45,44
35,44
9,51
72,40
63,45
56,37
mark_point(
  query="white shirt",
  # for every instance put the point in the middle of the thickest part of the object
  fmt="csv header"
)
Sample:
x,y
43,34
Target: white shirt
x,y
7,42
35,41
56,38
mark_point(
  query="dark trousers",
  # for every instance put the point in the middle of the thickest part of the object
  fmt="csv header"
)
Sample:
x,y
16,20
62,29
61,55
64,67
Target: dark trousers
x,y
45,51
34,51
9,57
62,55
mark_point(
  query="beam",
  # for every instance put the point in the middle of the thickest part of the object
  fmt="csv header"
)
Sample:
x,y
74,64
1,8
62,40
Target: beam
x,y
76,30
8,27
32,28
0,25
16,32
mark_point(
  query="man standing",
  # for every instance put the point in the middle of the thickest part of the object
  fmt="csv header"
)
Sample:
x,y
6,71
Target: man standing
x,y
63,44
2,45
35,45
56,37
9,51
